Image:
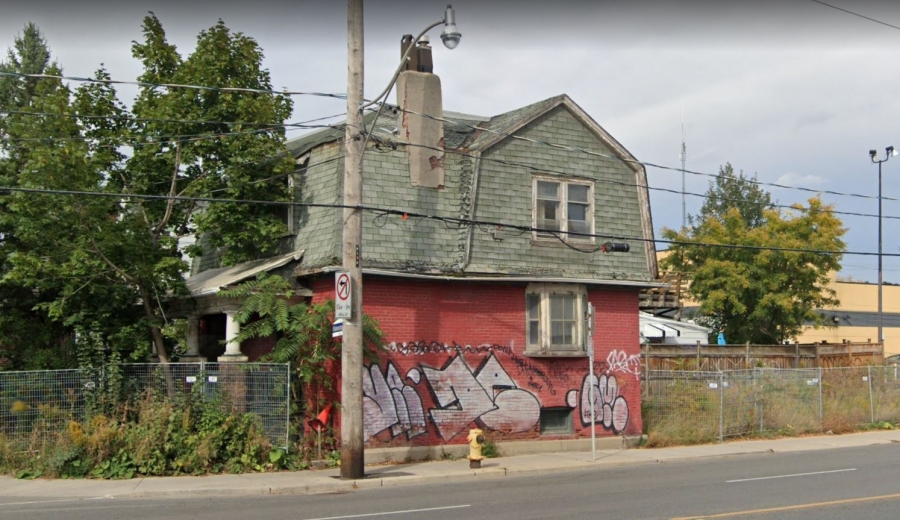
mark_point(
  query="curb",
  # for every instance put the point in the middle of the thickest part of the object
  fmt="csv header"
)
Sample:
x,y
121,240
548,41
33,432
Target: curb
x,y
311,483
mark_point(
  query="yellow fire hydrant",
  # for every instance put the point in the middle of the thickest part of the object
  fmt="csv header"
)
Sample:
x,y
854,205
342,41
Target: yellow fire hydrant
x,y
476,440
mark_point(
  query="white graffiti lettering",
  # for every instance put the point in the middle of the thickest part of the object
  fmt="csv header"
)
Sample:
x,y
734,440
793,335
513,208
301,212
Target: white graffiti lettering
x,y
620,361
488,394
389,403
610,408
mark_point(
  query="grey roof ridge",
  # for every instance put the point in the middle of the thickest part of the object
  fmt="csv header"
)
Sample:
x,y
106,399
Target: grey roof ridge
x,y
302,144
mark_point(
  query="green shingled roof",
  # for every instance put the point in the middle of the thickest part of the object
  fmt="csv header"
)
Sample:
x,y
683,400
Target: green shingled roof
x,y
462,134
508,122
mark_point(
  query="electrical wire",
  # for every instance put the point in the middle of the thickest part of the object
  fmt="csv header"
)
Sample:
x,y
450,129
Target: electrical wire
x,y
299,124
856,14
145,140
462,222
453,220
633,161
368,133
171,86
635,185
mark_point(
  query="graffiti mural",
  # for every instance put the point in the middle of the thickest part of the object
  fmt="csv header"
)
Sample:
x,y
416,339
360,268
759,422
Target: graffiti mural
x,y
420,348
438,391
390,403
488,394
620,361
610,408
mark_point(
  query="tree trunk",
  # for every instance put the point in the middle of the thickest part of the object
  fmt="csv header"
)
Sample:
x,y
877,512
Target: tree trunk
x,y
158,341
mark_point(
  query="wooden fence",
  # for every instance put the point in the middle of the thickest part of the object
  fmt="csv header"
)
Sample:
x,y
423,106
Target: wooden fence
x,y
715,358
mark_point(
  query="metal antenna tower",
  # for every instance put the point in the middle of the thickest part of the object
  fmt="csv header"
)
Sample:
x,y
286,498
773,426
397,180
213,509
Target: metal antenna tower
x,y
683,157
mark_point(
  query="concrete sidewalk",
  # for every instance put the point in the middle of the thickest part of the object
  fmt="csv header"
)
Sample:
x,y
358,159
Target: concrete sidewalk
x,y
327,481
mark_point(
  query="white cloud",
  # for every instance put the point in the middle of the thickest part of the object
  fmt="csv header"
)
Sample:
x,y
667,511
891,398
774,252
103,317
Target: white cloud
x,y
802,180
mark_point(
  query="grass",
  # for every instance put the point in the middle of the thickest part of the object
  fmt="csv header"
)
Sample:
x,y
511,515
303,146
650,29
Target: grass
x,y
690,410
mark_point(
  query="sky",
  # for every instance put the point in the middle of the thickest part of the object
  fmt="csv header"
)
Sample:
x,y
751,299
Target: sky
x,y
793,91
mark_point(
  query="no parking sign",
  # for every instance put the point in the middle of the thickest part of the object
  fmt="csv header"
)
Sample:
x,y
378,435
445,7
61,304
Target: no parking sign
x,y
343,298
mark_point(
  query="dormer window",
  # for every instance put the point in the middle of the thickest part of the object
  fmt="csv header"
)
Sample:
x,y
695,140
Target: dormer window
x,y
565,206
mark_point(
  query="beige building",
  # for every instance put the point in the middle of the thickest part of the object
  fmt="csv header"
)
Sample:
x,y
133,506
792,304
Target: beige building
x,y
855,320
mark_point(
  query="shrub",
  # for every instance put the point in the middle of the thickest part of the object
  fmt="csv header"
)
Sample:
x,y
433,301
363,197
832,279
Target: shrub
x,y
153,438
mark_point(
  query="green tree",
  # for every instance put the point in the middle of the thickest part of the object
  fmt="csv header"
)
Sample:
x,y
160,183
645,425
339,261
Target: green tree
x,y
729,190
115,260
269,308
29,338
747,287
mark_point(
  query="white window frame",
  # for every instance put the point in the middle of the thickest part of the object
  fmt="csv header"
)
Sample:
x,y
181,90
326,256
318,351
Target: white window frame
x,y
544,347
564,183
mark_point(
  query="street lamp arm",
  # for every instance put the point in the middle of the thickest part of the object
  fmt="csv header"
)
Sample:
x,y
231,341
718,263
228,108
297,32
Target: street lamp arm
x,y
403,61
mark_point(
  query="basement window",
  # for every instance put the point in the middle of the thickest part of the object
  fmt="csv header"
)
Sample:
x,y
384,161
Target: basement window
x,y
556,421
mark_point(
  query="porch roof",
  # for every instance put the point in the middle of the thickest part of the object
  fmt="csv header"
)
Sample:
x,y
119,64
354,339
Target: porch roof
x,y
211,281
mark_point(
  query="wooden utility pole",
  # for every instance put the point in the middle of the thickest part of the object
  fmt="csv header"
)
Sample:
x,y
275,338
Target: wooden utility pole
x,y
352,441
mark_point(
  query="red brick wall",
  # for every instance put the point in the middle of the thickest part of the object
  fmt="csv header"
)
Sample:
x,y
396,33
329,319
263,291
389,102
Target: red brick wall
x,y
455,361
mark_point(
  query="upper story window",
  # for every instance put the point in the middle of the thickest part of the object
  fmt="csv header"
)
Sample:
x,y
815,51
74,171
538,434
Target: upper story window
x,y
565,206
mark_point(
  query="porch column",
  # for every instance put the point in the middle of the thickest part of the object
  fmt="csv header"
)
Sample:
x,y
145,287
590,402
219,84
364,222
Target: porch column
x,y
232,347
193,340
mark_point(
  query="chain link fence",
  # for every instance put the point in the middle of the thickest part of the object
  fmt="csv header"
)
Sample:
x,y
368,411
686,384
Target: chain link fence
x,y
39,404
709,406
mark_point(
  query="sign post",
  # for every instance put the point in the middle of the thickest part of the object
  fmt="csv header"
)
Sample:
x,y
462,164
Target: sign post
x,y
589,344
343,299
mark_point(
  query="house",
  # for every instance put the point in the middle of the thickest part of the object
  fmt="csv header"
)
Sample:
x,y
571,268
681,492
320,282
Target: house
x,y
483,323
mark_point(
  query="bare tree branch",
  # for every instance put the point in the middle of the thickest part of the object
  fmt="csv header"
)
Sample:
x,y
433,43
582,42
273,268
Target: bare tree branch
x,y
170,204
109,262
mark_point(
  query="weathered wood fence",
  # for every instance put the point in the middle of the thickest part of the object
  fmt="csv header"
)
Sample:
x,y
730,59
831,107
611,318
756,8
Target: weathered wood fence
x,y
716,358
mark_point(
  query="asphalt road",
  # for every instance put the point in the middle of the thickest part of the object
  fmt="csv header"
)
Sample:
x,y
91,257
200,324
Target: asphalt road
x,y
821,485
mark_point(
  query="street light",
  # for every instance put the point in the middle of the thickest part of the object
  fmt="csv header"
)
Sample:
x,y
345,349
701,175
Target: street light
x,y
352,437
889,152
450,36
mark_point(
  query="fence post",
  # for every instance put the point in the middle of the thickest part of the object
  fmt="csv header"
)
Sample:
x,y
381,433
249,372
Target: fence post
x,y
721,406
758,394
821,403
747,355
871,396
699,363
646,378
287,415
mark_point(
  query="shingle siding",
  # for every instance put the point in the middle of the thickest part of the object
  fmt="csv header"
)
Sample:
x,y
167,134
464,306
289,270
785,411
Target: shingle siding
x,y
415,243
505,195
319,229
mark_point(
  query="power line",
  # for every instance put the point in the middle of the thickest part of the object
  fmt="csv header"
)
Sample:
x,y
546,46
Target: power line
x,y
305,125
299,124
145,140
187,138
635,185
856,14
452,220
171,86
632,161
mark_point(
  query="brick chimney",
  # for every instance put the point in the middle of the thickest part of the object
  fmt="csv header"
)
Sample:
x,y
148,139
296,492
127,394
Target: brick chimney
x,y
419,91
